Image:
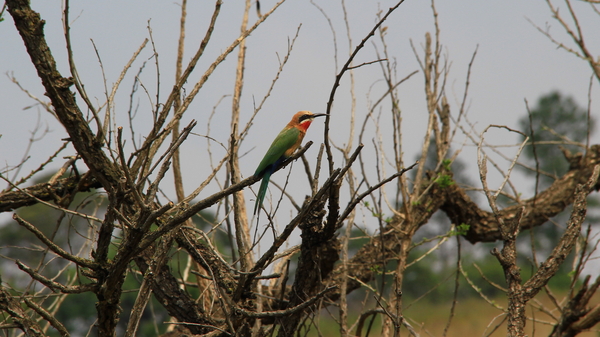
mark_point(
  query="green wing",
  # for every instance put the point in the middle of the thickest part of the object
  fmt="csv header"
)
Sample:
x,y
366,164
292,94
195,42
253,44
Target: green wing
x,y
284,141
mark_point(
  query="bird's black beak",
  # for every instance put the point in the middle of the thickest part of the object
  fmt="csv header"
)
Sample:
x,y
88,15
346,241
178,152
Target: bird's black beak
x,y
318,115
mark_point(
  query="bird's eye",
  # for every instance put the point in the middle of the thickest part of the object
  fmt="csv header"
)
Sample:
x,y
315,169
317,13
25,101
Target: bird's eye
x,y
304,117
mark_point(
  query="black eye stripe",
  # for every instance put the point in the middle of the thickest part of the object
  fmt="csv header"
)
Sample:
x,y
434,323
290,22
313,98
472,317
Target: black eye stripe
x,y
305,117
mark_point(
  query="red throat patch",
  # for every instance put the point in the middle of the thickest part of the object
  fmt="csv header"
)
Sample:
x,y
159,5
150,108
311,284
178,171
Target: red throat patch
x,y
304,125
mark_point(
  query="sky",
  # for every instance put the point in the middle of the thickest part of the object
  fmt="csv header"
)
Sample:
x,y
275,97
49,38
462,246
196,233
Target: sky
x,y
514,63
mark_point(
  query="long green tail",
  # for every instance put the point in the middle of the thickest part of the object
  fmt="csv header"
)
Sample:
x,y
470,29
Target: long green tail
x,y
262,191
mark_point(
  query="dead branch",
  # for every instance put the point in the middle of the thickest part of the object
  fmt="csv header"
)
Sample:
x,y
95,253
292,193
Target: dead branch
x,y
21,319
47,192
483,225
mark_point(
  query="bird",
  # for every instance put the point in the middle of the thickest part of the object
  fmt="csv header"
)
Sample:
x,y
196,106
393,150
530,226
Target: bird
x,y
284,145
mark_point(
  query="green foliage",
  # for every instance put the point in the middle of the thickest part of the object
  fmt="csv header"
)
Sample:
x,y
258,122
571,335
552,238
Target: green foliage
x,y
444,180
461,229
77,311
446,164
457,167
553,117
373,213
429,278
66,230
376,269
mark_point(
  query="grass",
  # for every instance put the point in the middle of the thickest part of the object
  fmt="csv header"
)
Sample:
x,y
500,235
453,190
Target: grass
x,y
472,317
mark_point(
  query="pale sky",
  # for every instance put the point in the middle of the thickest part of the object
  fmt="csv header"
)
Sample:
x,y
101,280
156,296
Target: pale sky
x,y
514,62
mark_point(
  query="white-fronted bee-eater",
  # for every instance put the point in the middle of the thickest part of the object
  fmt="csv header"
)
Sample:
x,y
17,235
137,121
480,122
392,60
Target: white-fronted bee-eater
x,y
284,145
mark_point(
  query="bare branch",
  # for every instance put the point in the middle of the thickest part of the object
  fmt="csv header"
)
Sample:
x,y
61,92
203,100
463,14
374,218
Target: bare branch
x,y
55,248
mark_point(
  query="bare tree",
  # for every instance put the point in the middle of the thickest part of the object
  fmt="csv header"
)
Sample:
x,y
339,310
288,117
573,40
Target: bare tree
x,y
240,290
